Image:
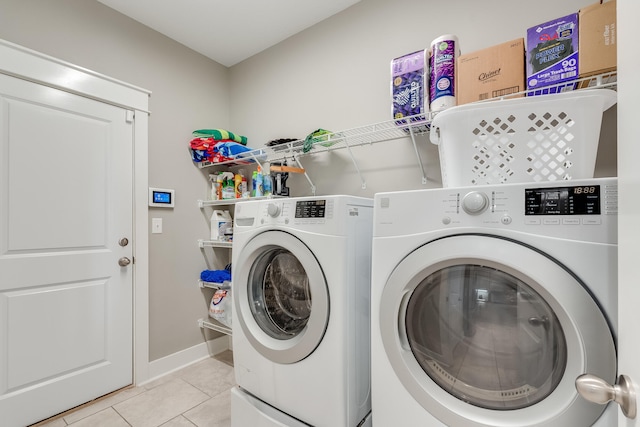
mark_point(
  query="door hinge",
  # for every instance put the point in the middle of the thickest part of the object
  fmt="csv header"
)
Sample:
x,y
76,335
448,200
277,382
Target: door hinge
x,y
130,116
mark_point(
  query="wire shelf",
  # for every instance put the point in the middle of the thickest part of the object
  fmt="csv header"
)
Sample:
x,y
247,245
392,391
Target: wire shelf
x,y
214,325
406,127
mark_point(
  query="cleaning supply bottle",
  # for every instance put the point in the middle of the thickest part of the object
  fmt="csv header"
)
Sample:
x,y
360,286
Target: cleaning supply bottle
x,y
245,189
228,191
259,184
221,223
219,184
267,184
237,185
214,195
254,183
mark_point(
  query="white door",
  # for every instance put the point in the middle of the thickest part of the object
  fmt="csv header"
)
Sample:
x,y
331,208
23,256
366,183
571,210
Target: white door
x,y
629,188
65,203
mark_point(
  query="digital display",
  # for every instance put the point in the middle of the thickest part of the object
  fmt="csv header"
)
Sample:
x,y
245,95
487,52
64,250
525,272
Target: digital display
x,y
162,197
578,200
311,208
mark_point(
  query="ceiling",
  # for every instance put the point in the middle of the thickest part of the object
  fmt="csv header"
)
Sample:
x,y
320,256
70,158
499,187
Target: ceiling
x,y
229,31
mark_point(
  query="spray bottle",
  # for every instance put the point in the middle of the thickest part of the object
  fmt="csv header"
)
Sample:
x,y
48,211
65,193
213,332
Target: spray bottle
x,y
259,183
214,187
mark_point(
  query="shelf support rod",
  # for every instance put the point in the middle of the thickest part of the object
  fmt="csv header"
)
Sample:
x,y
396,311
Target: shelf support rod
x,y
253,156
306,175
355,164
415,148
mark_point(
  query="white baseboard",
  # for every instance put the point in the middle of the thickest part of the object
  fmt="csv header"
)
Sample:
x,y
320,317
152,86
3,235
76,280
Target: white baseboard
x,y
186,357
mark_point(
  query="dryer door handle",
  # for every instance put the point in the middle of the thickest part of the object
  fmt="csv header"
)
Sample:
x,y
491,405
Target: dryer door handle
x,y
597,390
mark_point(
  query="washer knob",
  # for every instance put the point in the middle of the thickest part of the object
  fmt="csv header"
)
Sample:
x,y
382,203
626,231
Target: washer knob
x,y
273,210
475,202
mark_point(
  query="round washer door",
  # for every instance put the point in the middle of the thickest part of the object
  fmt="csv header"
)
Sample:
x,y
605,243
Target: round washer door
x,y
281,297
485,331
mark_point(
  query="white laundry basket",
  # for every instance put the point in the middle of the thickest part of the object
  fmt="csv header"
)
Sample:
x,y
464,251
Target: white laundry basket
x,y
532,139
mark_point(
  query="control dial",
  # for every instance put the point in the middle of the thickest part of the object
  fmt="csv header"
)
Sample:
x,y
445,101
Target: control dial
x,y
475,202
273,210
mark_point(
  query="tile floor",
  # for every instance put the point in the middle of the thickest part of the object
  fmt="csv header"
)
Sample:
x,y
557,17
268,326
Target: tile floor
x,y
198,395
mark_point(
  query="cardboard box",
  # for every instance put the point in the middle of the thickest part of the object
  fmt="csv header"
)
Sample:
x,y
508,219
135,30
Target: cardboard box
x,y
598,44
492,72
552,54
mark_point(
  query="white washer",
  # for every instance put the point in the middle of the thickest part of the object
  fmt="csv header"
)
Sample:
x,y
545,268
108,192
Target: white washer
x,y
301,318
489,301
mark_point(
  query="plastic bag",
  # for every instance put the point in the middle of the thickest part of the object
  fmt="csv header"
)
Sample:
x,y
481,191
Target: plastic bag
x,y
220,307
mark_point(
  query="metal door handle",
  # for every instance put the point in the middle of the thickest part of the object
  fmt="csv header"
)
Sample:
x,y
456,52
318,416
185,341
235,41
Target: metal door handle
x,y
599,391
124,261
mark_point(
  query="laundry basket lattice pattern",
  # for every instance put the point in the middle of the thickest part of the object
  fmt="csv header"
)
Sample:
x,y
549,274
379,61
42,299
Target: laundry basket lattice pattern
x,y
530,139
548,148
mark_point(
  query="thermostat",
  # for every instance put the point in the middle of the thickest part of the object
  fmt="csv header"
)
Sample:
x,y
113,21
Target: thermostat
x,y
161,197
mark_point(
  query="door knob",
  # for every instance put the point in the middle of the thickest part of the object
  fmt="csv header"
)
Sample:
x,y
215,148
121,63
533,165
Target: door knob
x,y
124,261
597,390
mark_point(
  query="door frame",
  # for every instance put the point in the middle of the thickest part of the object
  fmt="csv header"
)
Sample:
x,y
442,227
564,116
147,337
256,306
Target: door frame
x,y
27,64
629,213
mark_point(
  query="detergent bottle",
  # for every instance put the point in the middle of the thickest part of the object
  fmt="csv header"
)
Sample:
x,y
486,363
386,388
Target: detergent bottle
x,y
221,224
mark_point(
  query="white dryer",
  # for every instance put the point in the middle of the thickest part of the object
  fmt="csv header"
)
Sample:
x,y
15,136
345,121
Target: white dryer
x,y
489,301
301,318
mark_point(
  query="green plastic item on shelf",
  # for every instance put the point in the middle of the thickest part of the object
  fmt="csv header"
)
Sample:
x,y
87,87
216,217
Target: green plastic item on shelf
x,y
317,135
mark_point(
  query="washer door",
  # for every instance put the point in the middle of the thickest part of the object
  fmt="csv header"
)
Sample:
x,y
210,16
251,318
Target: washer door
x,y
484,331
281,297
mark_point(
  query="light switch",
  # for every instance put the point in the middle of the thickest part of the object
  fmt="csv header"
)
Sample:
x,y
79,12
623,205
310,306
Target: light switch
x,y
156,225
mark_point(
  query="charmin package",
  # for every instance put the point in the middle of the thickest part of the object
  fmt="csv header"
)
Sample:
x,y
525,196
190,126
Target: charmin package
x,y
552,54
409,85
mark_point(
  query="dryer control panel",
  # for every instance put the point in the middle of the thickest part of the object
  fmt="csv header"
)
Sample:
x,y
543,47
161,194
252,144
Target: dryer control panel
x,y
565,200
565,209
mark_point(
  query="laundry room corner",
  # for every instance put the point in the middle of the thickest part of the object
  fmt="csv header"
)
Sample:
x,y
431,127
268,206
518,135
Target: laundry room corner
x,y
189,91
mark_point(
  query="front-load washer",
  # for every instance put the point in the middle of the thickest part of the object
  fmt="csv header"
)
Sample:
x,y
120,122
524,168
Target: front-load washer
x,y
301,317
489,301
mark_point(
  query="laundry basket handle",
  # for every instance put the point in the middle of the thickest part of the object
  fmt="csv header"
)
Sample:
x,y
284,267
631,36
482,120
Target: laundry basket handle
x,y
434,134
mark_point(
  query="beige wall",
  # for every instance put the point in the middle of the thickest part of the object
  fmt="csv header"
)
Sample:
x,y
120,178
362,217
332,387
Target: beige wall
x,y
189,92
334,75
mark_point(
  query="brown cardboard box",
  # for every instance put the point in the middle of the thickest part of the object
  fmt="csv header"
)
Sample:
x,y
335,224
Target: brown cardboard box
x,y
598,34
492,72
